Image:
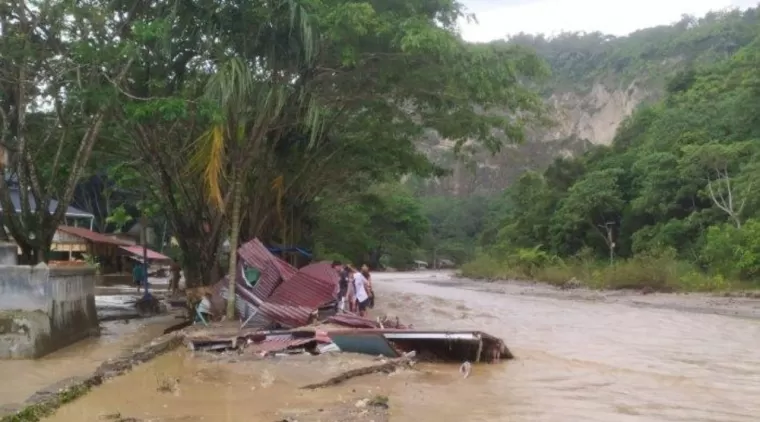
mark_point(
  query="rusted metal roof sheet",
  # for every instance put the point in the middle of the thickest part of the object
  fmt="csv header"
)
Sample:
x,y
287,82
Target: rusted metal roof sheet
x,y
138,251
92,236
273,269
295,299
279,342
286,270
303,290
283,294
255,254
268,281
286,315
353,321
322,270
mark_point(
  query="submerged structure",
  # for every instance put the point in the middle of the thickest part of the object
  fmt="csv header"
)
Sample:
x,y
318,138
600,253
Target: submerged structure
x,y
43,309
280,307
272,293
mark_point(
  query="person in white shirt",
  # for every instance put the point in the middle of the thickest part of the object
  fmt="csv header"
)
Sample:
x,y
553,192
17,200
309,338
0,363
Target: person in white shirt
x,y
360,290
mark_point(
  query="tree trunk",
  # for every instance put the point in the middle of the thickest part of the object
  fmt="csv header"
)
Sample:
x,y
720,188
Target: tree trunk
x,y
237,198
199,258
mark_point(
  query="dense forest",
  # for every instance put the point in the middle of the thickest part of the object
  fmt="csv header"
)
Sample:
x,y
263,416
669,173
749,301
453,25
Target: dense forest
x,y
673,202
292,121
301,126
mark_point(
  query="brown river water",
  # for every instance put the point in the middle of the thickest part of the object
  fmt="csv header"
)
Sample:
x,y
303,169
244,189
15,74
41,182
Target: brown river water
x,y
581,357
80,359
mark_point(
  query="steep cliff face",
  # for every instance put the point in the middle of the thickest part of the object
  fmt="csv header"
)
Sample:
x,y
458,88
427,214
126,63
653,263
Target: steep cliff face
x,y
580,119
596,115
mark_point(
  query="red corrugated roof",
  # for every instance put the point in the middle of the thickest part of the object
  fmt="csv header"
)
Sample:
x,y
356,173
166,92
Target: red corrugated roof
x,y
92,236
280,342
285,295
254,253
353,321
138,251
322,270
268,281
286,270
273,270
296,298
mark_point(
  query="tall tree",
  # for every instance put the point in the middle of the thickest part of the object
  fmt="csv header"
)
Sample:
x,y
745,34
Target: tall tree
x,y
56,61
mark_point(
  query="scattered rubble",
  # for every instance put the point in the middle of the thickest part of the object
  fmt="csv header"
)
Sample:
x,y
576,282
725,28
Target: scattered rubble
x,y
288,311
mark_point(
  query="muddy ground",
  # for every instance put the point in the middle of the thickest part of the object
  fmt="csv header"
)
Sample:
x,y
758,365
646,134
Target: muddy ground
x,y
736,304
581,355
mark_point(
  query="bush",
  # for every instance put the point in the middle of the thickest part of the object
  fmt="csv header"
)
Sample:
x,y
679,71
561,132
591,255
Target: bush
x,y
659,271
733,252
488,267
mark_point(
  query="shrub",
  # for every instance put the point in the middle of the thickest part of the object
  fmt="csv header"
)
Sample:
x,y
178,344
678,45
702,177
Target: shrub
x,y
656,271
733,252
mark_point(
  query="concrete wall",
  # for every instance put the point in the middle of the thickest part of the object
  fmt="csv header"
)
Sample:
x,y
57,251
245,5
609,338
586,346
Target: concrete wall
x,y
8,253
43,309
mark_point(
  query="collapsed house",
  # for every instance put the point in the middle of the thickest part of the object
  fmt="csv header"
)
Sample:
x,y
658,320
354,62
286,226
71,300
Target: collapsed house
x,y
276,302
269,292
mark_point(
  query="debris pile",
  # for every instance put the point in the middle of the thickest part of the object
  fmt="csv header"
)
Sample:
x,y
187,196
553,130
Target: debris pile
x,y
428,345
285,311
269,292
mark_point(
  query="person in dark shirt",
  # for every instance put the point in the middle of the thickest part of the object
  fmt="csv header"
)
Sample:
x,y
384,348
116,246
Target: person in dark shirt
x,y
139,275
342,284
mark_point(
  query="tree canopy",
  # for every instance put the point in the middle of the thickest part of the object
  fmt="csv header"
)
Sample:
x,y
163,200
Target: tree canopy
x,y
680,176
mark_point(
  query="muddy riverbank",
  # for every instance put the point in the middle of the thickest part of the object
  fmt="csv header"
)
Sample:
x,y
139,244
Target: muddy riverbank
x,y
580,356
78,360
737,304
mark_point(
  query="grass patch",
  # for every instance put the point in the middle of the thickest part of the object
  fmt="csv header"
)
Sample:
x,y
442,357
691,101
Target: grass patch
x,y
663,273
39,411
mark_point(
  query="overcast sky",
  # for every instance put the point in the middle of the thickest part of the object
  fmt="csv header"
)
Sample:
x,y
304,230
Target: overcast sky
x,y
499,18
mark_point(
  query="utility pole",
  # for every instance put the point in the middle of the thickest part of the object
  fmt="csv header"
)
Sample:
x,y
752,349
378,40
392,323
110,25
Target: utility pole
x,y
610,241
144,241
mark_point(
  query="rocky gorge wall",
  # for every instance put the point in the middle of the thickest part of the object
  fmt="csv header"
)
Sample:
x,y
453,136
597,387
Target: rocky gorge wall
x,y
580,120
43,309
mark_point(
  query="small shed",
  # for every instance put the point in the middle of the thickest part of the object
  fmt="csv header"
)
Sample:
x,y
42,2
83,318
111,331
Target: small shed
x,y
104,249
420,265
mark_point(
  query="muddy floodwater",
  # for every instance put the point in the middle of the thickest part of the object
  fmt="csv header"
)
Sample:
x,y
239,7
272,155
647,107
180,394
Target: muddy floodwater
x,y
581,356
22,378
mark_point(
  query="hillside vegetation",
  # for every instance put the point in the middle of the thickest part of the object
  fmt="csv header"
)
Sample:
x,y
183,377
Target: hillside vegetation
x,y
578,60
597,82
673,202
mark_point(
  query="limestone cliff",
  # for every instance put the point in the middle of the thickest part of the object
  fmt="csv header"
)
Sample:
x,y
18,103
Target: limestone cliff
x,y
580,119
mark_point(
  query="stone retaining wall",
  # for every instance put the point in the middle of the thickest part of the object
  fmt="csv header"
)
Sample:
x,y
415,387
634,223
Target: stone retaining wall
x,y
43,309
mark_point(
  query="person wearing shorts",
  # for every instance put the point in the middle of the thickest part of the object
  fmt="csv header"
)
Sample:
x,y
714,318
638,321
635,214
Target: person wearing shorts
x,y
368,286
342,285
360,290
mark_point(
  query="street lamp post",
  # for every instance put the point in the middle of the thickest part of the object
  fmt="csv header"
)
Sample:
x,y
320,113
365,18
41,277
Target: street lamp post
x,y
144,241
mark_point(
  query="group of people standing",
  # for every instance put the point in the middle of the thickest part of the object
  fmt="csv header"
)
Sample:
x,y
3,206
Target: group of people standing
x,y
354,288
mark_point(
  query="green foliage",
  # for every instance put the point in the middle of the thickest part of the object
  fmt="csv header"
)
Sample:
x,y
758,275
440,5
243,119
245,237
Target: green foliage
x,y
733,252
677,186
455,224
384,220
648,271
119,218
648,56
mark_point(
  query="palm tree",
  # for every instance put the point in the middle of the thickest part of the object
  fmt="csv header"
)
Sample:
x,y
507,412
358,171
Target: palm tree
x,y
258,93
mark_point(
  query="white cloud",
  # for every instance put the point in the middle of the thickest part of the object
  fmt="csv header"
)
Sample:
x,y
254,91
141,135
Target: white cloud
x,y
498,19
